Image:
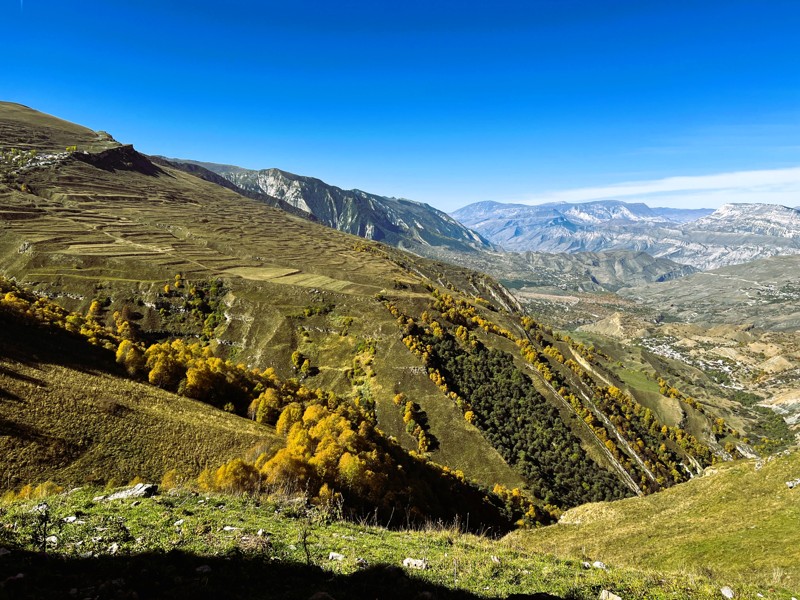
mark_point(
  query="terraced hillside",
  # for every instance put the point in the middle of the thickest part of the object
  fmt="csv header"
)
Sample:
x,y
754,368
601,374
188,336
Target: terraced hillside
x,y
437,356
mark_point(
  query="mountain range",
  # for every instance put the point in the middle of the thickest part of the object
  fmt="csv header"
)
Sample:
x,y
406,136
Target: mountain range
x,y
108,232
414,226
701,238
162,322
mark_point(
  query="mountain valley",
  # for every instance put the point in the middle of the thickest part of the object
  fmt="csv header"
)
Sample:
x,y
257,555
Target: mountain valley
x,y
257,333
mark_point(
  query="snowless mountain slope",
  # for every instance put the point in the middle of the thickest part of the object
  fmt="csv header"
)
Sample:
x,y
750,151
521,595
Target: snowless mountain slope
x,y
403,223
733,234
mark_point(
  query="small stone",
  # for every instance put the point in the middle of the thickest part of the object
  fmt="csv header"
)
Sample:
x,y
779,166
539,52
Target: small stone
x,y
496,559
98,498
203,569
599,565
335,556
86,554
113,548
727,592
260,533
586,565
415,563
229,528
70,519
606,595
361,563
178,523
51,539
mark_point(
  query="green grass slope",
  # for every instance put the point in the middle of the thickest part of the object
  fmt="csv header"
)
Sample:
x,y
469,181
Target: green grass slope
x,y
64,421
185,545
108,225
739,523
111,225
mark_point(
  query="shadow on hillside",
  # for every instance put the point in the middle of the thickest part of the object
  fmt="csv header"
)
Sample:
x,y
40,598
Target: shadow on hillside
x,y
182,575
35,345
122,158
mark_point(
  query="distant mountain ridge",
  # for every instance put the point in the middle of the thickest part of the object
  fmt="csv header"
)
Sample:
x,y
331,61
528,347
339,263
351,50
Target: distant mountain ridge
x,y
208,175
702,238
402,223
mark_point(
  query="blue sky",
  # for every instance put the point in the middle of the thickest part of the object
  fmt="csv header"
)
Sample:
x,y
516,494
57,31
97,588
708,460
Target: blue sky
x,y
444,102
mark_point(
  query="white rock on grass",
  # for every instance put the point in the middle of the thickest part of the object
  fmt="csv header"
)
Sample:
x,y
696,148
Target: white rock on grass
x,y
178,523
727,592
606,595
229,528
140,490
335,556
599,565
415,563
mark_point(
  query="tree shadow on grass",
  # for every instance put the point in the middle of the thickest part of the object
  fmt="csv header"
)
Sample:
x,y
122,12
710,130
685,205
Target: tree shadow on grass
x,y
34,345
182,575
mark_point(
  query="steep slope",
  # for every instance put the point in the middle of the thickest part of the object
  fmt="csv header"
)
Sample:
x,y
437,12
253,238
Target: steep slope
x,y
737,522
403,223
397,336
733,234
203,173
71,415
26,129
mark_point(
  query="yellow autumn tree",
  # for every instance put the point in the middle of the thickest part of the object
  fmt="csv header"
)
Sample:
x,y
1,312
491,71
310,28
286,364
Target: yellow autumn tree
x,y
290,415
130,356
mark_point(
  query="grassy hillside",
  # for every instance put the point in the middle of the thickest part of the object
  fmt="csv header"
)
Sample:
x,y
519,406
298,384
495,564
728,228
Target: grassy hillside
x,y
738,523
185,545
70,415
106,230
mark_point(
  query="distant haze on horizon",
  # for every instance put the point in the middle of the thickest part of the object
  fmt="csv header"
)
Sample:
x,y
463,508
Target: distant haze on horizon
x,y
679,104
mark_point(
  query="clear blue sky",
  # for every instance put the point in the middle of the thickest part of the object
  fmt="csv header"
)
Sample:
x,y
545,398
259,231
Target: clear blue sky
x,y
447,102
